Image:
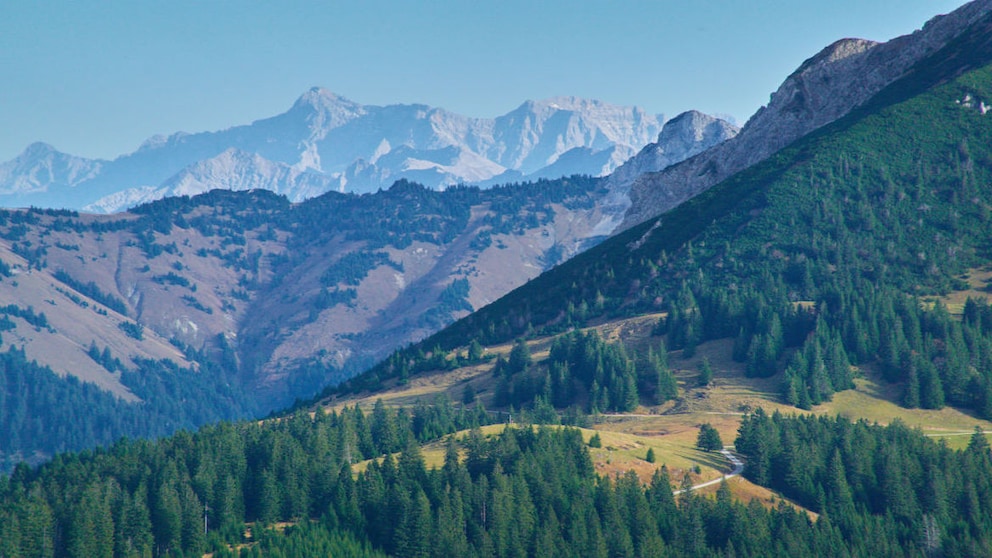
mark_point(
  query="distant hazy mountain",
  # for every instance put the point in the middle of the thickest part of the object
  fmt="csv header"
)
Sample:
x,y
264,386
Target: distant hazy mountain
x,y
39,166
326,142
229,303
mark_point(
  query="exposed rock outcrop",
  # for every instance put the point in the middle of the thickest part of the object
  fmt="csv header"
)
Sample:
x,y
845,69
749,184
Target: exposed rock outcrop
x,y
682,137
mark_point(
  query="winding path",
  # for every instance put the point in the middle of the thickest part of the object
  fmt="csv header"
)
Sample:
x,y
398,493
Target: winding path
x,y
734,460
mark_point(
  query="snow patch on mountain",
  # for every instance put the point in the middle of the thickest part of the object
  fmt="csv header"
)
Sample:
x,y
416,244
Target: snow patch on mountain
x,y
119,201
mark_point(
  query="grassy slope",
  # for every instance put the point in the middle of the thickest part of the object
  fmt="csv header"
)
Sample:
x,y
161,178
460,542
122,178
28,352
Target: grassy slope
x,y
671,429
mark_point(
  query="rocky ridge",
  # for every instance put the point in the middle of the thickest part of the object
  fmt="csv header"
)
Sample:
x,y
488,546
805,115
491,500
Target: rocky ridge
x,y
682,137
823,89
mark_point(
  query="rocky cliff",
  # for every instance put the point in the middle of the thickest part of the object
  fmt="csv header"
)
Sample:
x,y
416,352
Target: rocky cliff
x,y
682,137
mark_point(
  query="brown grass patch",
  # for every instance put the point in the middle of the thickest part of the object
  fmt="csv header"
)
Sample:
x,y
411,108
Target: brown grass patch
x,y
979,281
745,491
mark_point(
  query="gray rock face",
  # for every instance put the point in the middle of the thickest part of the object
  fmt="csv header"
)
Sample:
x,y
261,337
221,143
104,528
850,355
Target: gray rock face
x,y
325,142
682,137
826,87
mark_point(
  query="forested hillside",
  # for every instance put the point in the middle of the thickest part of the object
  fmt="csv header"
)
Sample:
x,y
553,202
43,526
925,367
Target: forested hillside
x,y
524,492
231,304
836,251
870,479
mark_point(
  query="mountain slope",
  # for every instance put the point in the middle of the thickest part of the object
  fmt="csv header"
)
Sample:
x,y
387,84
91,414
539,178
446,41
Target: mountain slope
x,y
809,259
340,265
245,300
358,483
829,85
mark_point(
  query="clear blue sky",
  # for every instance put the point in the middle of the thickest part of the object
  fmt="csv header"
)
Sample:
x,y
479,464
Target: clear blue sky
x,y
97,78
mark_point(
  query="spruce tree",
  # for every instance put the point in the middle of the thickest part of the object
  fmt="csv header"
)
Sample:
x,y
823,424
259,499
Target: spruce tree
x,y
708,438
705,372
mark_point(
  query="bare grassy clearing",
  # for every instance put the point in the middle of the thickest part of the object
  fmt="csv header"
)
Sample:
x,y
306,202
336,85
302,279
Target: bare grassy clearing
x,y
979,287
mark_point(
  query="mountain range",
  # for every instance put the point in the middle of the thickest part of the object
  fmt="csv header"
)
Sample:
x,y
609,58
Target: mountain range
x,y
229,304
325,142
252,300
794,308
279,262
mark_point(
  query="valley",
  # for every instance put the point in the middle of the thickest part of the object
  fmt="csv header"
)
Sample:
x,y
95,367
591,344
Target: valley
x,y
257,301
184,285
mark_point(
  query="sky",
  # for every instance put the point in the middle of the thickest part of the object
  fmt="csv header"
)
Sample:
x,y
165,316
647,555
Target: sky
x,y
97,78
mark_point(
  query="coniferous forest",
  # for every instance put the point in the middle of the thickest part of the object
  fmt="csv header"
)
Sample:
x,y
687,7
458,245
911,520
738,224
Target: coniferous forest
x,y
291,487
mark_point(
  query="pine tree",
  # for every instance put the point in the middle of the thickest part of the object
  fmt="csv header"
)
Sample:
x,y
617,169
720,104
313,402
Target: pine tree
x,y
911,395
167,518
520,359
193,536
978,443
383,429
705,372
267,497
31,528
475,351
708,438
414,533
657,373
931,389
629,398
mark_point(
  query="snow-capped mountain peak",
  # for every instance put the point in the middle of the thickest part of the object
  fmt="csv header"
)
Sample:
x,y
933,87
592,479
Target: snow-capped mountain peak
x,y
325,110
39,166
326,141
